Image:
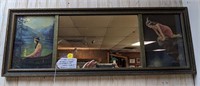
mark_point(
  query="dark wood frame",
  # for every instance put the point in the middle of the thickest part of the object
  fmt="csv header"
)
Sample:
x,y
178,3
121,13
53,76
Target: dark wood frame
x,y
8,72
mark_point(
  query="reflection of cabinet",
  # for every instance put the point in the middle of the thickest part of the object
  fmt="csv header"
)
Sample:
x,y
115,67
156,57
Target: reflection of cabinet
x,y
124,59
133,58
98,55
134,62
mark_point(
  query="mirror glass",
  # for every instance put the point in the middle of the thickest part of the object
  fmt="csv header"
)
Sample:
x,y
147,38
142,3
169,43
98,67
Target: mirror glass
x,y
110,41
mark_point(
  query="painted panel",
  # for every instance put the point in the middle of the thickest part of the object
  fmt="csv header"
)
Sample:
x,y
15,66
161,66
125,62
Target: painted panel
x,y
33,45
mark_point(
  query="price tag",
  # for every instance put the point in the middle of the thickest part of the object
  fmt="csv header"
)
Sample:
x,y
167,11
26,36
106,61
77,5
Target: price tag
x,y
66,63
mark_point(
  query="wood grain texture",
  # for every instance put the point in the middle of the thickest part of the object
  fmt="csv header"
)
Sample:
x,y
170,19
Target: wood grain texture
x,y
138,80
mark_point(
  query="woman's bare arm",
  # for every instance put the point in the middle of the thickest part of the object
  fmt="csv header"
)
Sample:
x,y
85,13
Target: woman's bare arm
x,y
156,31
160,32
35,51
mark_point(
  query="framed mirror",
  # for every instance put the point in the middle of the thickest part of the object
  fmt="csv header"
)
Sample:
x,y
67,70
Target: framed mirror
x,y
98,41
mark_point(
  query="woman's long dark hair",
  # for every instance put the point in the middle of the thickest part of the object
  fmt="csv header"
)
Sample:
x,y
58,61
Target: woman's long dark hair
x,y
37,39
149,22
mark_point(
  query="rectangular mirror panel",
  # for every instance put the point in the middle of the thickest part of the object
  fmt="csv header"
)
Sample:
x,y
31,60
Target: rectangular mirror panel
x,y
108,41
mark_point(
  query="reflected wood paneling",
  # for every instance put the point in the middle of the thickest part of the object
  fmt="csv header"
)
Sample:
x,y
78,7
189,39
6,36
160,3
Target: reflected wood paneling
x,y
141,80
98,55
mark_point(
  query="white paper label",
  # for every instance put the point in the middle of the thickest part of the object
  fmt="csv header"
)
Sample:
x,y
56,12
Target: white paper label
x,y
66,63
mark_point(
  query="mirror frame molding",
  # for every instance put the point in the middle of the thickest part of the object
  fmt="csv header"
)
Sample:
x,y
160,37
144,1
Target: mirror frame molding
x,y
10,34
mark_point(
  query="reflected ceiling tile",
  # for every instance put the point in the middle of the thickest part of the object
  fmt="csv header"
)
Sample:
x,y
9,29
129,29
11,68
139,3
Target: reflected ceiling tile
x,y
64,44
95,42
132,36
63,32
118,47
92,31
91,21
124,21
119,31
65,21
110,42
80,44
126,42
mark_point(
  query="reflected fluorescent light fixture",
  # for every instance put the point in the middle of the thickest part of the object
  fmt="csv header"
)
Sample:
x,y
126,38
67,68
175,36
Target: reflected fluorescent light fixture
x,y
159,50
145,43
78,48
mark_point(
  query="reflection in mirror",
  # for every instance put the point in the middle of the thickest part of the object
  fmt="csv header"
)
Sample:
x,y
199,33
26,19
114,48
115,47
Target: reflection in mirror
x,y
100,41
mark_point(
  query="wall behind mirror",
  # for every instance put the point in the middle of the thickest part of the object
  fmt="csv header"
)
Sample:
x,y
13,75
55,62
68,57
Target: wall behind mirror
x,y
110,41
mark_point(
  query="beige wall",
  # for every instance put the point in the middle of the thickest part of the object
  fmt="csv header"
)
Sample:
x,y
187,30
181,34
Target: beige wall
x,y
194,12
139,80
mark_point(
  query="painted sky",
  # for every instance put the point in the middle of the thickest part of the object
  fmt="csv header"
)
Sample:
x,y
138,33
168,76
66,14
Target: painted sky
x,y
39,22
